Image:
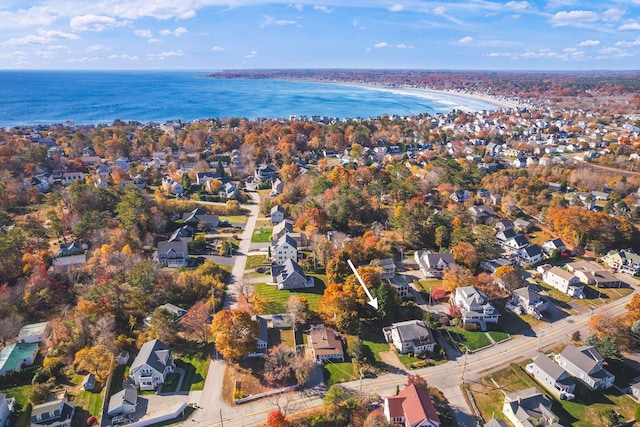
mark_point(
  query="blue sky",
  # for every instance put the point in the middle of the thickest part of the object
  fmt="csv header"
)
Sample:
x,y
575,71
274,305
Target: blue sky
x,y
236,34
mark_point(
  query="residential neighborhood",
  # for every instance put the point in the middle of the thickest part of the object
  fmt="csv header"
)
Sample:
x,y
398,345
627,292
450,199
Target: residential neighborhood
x,y
496,258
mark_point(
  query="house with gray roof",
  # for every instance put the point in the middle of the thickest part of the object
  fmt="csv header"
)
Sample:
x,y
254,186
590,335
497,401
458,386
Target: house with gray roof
x,y
123,402
201,217
564,281
57,413
494,422
528,408
34,332
263,334
152,364
474,306
529,301
483,214
432,264
624,261
184,233
284,248
290,276
411,336
387,267
172,254
552,245
277,214
552,376
586,364
281,228
401,286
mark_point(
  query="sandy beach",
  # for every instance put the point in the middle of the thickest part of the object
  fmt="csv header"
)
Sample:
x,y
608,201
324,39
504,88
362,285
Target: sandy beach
x,y
468,102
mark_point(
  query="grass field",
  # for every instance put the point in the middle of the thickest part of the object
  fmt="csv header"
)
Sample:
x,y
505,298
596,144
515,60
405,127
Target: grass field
x,y
472,340
262,235
235,219
337,372
23,407
195,364
278,298
584,411
498,336
254,261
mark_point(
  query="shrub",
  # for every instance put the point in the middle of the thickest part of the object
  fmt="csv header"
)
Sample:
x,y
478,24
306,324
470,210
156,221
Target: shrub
x,y
38,393
471,327
438,294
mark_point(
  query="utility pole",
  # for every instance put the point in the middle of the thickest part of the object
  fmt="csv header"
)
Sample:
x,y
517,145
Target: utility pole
x,y
464,366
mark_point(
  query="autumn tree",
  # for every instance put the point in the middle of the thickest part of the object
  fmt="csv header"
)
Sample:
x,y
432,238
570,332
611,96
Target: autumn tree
x,y
339,307
195,323
442,237
456,276
376,419
277,419
418,381
96,360
303,369
508,278
465,253
162,326
9,327
234,333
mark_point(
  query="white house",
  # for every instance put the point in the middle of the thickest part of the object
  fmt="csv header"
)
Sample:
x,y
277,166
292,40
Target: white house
x,y
277,214
171,185
433,264
526,408
530,254
552,376
564,281
285,248
387,267
586,365
34,333
5,411
290,276
411,336
57,413
152,365
474,306
69,177
552,245
401,286
172,254
123,402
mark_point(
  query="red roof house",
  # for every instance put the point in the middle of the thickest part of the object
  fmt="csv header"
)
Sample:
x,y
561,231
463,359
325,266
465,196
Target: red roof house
x,y
412,407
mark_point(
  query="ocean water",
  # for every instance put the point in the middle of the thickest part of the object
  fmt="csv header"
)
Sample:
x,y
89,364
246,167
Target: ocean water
x,y
94,97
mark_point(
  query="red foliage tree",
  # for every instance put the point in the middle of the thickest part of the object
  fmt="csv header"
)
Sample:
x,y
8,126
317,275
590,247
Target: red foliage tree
x,y
277,419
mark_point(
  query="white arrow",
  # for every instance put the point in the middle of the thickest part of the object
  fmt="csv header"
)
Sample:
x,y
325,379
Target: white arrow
x,y
373,302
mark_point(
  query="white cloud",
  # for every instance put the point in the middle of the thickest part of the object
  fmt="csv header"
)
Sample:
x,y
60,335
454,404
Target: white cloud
x,y
270,20
299,7
466,40
517,5
93,23
177,32
36,16
143,33
634,26
403,46
612,15
251,54
83,59
381,45
153,41
43,37
158,9
397,7
97,48
574,17
440,10
589,43
324,9
125,57
164,55
636,42
498,54
613,53
217,49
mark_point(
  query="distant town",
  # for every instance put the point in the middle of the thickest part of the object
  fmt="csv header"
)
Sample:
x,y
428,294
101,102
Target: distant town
x,y
459,269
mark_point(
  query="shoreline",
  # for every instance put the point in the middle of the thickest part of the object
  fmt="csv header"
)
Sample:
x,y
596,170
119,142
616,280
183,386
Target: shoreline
x,y
436,95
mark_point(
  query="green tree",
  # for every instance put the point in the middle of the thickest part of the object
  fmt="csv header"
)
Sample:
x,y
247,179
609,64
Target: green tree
x,y
442,237
130,208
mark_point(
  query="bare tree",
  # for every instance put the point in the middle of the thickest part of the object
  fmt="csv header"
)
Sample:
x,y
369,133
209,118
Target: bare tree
x,y
105,331
9,327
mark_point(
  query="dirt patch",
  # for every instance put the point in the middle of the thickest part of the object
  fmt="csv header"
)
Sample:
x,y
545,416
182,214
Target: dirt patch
x,y
391,359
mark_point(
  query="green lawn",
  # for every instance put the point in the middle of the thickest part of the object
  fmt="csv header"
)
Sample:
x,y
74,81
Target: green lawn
x,y
408,361
471,340
498,336
262,235
337,372
23,407
235,219
170,383
195,364
254,261
374,343
278,298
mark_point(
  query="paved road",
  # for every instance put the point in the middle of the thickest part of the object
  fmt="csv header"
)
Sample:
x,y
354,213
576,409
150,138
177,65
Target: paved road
x,y
240,262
